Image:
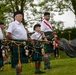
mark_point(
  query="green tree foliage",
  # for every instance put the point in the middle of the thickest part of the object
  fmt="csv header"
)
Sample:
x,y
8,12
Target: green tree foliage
x,y
10,6
36,8
54,6
65,33
74,6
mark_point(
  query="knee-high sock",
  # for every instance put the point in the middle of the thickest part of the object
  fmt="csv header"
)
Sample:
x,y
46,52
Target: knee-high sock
x,y
45,61
1,62
48,60
37,66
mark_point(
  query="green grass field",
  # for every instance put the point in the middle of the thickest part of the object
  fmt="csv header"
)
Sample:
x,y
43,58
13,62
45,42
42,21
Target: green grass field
x,y
63,66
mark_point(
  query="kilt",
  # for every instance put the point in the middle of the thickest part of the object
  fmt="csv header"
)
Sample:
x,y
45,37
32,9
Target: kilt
x,y
14,54
48,47
1,57
36,53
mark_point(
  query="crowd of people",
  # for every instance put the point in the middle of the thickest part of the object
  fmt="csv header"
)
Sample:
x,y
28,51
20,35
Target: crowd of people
x,y
17,32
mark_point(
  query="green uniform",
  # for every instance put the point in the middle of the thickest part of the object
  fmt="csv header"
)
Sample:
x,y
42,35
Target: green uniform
x,y
14,54
47,29
37,55
18,32
48,49
1,57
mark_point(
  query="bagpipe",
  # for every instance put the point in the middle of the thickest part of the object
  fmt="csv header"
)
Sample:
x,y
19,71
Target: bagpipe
x,y
22,50
28,47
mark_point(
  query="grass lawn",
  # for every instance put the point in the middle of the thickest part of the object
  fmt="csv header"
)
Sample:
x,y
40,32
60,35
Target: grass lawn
x,y
63,66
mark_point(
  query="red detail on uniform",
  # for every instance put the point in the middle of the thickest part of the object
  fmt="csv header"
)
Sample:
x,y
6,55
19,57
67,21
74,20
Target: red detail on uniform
x,y
36,65
56,43
46,60
19,70
48,25
58,40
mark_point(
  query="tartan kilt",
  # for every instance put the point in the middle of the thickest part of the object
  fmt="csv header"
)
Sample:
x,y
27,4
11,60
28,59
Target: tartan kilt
x,y
48,48
35,51
14,54
37,55
1,57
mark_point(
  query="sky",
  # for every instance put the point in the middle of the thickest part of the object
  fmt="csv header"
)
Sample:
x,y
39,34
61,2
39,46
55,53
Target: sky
x,y
68,18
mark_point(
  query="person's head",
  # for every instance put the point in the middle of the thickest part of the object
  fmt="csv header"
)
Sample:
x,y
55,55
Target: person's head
x,y
2,25
55,35
47,16
37,27
18,15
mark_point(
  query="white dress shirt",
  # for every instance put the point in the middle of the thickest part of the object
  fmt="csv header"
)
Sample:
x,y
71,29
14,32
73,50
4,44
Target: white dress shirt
x,y
44,27
36,36
1,34
17,30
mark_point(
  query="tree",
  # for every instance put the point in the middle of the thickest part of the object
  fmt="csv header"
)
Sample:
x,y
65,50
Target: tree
x,y
36,8
74,6
57,6
65,33
15,5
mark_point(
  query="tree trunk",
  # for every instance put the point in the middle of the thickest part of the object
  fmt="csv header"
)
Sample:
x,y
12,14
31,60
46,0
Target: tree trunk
x,y
22,9
74,5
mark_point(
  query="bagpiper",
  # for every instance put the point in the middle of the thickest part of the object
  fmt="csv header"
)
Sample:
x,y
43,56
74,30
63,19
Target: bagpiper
x,y
56,41
48,48
37,54
1,38
17,32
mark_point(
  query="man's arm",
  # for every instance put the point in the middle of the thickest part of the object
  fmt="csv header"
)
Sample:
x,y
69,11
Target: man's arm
x,y
43,36
8,35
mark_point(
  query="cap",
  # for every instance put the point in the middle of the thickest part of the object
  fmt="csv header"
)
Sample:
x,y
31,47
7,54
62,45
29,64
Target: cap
x,y
17,12
1,23
46,13
36,25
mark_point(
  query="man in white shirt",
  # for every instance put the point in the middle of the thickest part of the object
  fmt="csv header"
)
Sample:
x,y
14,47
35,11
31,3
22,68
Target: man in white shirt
x,y
45,24
17,32
47,29
16,29
37,55
1,38
1,28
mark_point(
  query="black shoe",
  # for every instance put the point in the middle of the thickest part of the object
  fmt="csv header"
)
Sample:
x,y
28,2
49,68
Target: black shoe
x,y
45,68
36,72
40,72
49,67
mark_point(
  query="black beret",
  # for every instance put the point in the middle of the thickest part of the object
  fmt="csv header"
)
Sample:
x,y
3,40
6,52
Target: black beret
x,y
46,13
36,25
17,12
1,23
